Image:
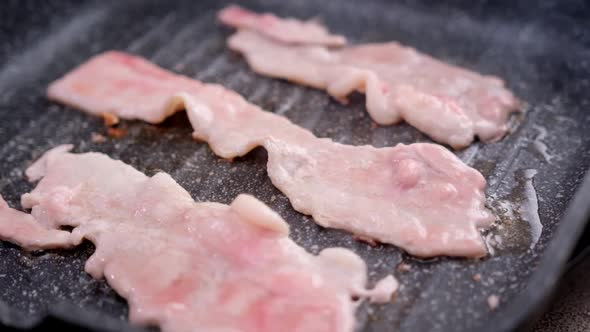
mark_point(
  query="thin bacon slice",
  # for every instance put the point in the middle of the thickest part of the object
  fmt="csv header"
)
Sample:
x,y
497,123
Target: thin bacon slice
x,y
187,266
286,30
420,197
448,103
22,229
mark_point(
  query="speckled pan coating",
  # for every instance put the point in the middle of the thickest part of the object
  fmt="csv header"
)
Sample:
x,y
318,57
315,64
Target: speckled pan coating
x,y
540,52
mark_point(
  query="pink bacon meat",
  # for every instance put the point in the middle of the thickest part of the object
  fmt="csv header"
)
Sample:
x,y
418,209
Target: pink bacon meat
x,y
182,265
448,103
286,30
420,197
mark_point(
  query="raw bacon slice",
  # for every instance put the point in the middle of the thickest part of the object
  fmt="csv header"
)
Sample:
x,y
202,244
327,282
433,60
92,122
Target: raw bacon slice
x,y
187,266
286,30
447,103
420,197
22,229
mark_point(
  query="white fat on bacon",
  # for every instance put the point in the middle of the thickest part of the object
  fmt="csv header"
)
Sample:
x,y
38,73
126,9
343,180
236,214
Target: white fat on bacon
x,y
286,30
448,103
420,197
182,265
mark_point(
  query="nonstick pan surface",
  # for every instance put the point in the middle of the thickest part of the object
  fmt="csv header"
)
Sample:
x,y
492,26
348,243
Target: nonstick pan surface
x,y
533,173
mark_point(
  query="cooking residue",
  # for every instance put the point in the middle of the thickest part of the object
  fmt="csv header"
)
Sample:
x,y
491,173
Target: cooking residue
x,y
520,224
540,146
529,207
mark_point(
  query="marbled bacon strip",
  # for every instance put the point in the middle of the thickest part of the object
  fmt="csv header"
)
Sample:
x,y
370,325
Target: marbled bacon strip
x,y
420,197
450,104
182,265
286,30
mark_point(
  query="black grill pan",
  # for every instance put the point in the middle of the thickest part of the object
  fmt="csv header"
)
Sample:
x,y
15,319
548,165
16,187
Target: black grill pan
x,y
540,49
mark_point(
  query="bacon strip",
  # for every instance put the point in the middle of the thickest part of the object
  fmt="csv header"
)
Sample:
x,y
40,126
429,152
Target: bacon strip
x,y
187,266
286,30
420,197
448,103
22,229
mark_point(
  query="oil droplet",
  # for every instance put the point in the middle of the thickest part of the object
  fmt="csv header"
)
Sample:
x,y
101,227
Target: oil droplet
x,y
519,226
529,208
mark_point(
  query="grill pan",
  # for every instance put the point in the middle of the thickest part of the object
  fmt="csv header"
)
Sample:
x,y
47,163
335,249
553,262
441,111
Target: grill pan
x,y
541,52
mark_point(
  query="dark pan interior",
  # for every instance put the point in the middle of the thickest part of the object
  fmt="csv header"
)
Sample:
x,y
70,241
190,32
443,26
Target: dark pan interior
x,y
541,52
